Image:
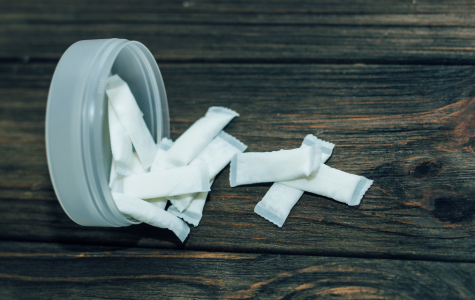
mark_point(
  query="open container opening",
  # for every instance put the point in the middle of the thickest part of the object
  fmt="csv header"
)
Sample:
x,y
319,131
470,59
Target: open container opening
x,y
77,135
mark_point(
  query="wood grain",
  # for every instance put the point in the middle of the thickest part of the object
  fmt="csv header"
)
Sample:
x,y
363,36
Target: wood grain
x,y
58,271
410,128
416,32
389,82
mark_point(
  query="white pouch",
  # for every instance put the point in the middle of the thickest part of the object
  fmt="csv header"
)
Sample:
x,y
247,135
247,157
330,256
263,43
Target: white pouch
x,y
217,155
196,138
256,167
160,202
121,145
165,144
116,181
131,119
277,203
327,147
150,214
338,185
163,147
183,180
280,199
137,167
194,212
219,152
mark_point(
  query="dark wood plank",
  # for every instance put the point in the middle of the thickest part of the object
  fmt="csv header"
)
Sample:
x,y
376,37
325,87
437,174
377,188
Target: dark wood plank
x,y
245,7
410,128
58,271
327,31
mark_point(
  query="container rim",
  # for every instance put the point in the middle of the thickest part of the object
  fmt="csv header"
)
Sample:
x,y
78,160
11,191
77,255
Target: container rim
x,y
74,110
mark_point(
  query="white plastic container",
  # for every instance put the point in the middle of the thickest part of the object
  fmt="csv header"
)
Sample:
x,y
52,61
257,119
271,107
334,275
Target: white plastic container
x,y
77,132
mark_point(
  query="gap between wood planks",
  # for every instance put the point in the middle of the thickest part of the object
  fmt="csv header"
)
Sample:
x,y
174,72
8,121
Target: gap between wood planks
x,y
262,61
426,258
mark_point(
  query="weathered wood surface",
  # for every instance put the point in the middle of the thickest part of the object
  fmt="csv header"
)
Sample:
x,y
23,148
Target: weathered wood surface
x,y
409,128
389,82
419,32
59,271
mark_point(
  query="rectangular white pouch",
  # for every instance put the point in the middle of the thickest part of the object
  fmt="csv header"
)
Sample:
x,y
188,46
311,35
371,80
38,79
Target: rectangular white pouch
x,y
327,147
280,199
277,203
217,155
338,185
163,147
160,202
138,168
131,119
194,212
121,145
177,181
196,138
116,181
150,214
256,167
219,152
165,144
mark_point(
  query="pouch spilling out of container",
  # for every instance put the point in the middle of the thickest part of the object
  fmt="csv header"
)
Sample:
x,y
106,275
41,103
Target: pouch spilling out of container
x,y
150,214
196,138
216,155
177,181
194,211
160,202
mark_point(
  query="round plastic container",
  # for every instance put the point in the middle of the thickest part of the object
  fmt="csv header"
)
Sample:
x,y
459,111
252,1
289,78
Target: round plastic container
x,y
77,132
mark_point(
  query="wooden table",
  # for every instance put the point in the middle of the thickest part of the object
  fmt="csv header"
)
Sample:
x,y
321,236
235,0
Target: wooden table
x,y
391,83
